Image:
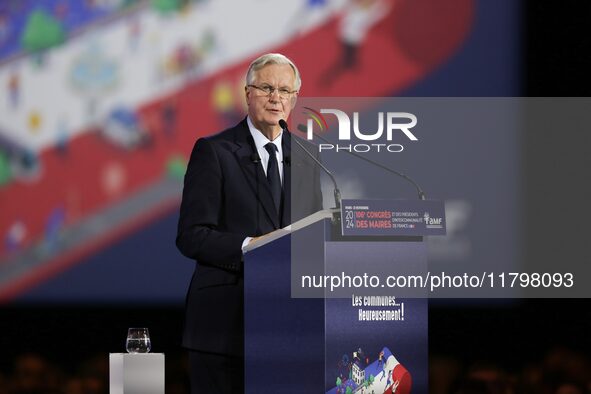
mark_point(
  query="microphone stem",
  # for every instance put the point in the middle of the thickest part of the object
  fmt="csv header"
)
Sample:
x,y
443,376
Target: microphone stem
x,y
337,192
419,190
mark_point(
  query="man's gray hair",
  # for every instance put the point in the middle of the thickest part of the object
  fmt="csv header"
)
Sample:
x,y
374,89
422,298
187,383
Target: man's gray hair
x,y
272,58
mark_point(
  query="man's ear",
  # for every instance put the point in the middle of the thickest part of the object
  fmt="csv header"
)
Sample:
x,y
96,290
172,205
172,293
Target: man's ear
x,y
246,94
294,100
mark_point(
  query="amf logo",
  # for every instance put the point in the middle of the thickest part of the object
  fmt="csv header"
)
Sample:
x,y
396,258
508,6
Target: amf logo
x,y
431,222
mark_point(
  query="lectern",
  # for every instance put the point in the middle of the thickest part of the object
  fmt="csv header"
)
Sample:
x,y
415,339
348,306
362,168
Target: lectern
x,y
320,315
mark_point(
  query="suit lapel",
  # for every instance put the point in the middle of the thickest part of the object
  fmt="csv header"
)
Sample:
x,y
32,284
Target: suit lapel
x,y
286,146
253,172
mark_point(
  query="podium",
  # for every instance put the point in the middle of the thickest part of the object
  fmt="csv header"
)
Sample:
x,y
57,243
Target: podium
x,y
307,339
141,373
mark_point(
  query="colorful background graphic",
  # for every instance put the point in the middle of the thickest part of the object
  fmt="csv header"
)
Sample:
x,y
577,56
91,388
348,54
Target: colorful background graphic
x,y
101,124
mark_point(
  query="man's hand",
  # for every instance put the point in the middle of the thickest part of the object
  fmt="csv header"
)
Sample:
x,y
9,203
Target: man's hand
x,y
259,238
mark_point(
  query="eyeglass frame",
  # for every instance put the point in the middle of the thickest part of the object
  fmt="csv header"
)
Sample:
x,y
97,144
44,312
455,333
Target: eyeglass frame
x,y
272,90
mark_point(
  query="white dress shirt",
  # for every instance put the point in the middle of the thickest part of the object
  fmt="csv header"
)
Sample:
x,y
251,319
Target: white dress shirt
x,y
260,141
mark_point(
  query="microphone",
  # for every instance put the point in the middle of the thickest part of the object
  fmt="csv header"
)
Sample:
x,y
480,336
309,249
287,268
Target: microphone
x,y
255,158
287,161
420,191
337,192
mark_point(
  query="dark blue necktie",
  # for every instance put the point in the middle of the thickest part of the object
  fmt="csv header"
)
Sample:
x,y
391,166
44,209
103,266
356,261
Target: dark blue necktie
x,y
273,175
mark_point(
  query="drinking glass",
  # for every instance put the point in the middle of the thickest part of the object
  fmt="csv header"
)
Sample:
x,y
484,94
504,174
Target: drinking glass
x,y
138,340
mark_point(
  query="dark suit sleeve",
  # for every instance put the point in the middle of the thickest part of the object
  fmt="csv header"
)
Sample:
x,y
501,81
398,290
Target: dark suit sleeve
x,y
317,193
199,235
316,190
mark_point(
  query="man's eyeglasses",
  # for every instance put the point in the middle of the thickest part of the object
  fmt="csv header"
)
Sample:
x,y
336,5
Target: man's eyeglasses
x,y
268,90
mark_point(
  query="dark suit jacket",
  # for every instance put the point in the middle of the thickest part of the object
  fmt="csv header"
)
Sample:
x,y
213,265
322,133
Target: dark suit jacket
x,y
226,198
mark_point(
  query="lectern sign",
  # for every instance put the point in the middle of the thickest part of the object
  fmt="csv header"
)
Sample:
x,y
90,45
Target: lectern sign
x,y
392,217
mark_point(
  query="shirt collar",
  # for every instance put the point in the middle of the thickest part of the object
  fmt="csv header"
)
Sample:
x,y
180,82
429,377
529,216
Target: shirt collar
x,y
259,138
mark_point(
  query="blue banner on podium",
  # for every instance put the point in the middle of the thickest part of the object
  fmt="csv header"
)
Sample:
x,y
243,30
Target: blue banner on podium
x,y
369,217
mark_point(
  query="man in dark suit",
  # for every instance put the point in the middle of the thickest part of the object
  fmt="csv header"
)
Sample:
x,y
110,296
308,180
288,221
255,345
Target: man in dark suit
x,y
238,187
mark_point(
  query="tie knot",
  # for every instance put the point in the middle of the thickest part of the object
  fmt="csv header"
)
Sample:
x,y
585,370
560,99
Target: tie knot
x,y
271,148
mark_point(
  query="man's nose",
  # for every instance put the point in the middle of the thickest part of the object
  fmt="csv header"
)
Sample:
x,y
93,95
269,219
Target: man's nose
x,y
274,96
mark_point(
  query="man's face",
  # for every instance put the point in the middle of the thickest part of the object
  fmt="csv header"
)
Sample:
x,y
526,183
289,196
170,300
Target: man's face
x,y
266,110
